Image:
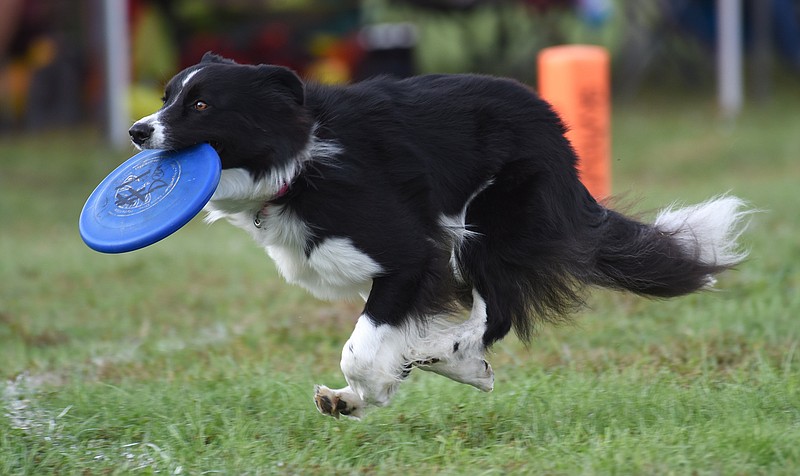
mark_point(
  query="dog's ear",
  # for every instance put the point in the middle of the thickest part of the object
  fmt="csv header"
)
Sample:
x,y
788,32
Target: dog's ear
x,y
286,79
210,57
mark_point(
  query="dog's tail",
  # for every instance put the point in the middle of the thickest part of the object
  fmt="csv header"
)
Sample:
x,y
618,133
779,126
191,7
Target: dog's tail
x,y
679,253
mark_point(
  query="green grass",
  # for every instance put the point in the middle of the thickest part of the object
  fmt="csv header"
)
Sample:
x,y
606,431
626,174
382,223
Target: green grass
x,y
192,356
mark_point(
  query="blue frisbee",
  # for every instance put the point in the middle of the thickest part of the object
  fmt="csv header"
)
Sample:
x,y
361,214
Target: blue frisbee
x,y
149,197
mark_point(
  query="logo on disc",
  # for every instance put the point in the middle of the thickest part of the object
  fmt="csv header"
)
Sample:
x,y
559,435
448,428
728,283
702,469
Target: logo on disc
x,y
146,184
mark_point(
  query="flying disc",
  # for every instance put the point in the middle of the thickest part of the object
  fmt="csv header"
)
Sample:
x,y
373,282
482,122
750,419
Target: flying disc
x,y
149,197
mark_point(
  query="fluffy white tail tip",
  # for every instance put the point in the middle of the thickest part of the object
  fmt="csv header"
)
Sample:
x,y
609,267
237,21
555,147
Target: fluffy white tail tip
x,y
709,229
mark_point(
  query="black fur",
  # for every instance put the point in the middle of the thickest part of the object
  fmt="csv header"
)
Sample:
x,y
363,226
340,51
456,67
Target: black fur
x,y
417,149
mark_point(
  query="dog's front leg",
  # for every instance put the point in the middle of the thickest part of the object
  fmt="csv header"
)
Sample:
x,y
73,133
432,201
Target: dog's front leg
x,y
376,358
373,364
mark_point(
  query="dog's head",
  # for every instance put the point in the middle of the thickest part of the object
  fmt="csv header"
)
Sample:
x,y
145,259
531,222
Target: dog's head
x,y
253,115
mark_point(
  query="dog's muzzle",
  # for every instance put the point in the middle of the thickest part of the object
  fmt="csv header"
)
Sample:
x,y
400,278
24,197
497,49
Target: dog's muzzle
x,y
141,133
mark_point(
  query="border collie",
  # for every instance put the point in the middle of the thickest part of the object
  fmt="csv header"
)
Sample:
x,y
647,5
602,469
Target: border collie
x,y
425,196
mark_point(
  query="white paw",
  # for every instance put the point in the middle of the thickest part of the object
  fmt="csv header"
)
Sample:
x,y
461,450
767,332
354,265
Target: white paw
x,y
338,402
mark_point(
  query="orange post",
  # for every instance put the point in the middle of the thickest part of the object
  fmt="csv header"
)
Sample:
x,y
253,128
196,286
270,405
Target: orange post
x,y
575,80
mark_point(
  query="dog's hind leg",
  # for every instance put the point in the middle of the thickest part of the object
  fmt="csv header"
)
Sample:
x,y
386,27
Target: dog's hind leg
x,y
456,351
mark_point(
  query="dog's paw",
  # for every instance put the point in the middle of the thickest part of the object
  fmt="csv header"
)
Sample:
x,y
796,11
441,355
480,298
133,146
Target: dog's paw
x,y
338,402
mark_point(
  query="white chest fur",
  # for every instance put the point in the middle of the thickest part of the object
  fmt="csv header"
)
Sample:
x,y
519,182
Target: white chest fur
x,y
333,269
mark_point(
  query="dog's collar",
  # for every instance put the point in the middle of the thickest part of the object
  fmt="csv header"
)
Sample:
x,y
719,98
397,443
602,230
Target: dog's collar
x,y
257,220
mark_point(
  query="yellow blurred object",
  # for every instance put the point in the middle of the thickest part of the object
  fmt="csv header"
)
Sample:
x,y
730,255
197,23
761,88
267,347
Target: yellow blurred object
x,y
17,79
41,52
321,44
155,55
143,101
329,71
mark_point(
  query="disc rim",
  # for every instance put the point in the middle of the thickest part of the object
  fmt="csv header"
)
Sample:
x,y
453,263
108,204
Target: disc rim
x,y
200,168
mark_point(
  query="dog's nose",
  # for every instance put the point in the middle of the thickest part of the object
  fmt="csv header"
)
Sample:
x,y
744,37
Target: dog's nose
x,y
140,132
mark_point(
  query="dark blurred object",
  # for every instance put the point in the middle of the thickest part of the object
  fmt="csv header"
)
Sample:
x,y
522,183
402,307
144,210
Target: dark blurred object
x,y
389,49
41,67
698,17
257,32
461,5
665,37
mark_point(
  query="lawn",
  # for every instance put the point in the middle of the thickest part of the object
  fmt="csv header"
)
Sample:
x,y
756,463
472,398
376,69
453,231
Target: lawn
x,y
193,357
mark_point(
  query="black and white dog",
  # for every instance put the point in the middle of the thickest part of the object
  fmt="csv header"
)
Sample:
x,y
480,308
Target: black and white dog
x,y
423,196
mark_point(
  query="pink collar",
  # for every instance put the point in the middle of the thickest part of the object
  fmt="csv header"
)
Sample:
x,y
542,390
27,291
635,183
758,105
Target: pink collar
x,y
257,220
282,191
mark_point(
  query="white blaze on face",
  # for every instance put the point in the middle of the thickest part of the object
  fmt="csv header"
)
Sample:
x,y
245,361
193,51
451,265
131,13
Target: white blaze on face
x,y
189,77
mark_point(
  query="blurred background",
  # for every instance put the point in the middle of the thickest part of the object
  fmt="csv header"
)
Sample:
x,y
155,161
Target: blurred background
x,y
193,356
54,54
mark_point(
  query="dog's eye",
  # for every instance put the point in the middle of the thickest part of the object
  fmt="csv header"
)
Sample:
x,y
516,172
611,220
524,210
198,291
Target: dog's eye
x,y
200,106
